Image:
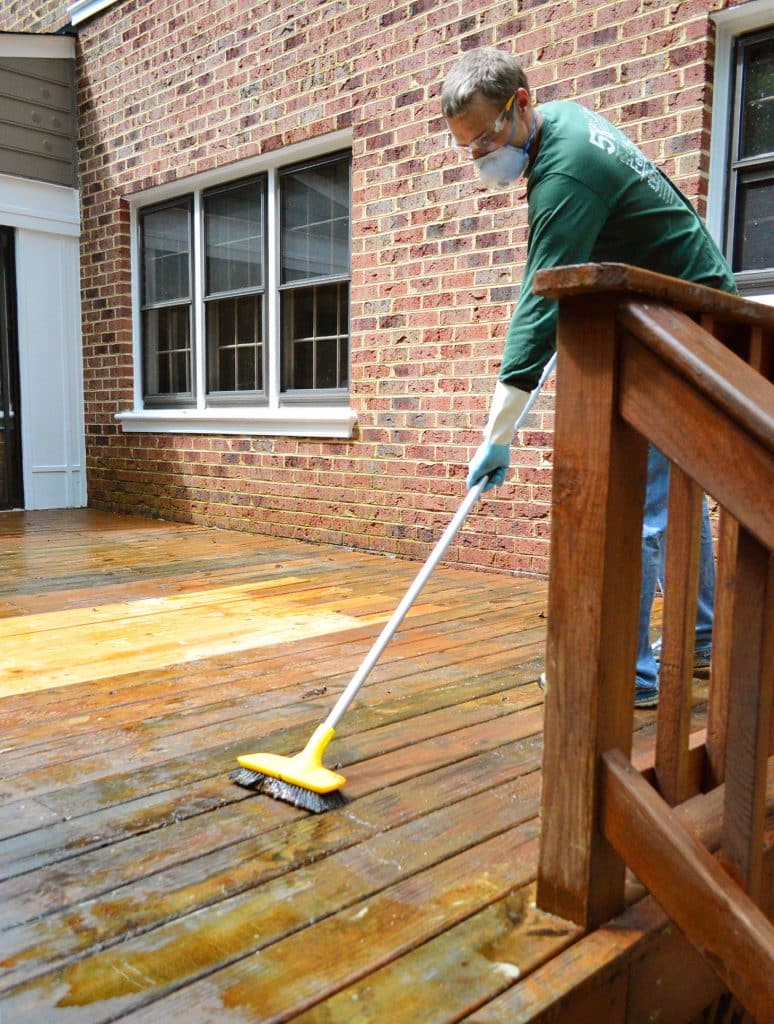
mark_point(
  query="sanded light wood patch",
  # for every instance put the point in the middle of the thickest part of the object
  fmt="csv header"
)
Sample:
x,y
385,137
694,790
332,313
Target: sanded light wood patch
x,y
77,645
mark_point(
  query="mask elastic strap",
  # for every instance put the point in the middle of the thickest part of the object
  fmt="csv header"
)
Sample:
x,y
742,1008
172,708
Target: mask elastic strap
x,y
528,143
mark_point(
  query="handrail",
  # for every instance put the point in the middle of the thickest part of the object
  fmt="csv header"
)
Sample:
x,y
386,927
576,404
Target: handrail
x,y
716,385
635,367
715,371
587,278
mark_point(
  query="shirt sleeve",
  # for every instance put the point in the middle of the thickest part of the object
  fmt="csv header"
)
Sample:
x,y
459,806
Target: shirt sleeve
x,y
565,219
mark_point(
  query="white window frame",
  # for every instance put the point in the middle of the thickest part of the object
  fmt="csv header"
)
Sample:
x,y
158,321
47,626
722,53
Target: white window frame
x,y
730,24
315,418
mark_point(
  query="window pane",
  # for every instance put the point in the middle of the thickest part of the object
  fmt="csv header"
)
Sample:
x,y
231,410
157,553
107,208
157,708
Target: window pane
x,y
344,336
327,364
303,364
235,343
340,242
179,366
754,229
247,326
299,305
226,357
315,222
758,99
344,366
167,337
166,254
246,368
327,311
233,224
316,337
319,250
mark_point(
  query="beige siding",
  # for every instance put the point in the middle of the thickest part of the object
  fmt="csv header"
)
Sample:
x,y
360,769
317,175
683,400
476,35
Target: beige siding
x,y
37,119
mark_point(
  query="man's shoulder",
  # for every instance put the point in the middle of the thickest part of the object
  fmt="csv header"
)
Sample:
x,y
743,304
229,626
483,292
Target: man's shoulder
x,y
564,110
580,143
566,124
566,149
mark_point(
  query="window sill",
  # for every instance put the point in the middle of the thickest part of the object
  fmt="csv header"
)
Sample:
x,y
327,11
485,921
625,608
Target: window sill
x,y
309,421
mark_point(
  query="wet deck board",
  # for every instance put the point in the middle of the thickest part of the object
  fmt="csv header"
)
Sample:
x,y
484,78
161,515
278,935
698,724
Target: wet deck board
x,y
137,883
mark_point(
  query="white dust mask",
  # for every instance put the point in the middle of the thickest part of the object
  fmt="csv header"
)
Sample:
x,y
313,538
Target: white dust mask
x,y
505,165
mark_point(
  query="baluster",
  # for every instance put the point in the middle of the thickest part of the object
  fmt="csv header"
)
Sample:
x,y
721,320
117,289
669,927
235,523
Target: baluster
x,y
681,587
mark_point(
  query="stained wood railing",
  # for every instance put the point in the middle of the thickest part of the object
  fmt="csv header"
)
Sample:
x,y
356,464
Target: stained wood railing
x,y
648,358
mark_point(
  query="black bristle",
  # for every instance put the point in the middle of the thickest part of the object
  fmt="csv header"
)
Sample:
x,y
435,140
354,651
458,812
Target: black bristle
x,y
247,777
306,799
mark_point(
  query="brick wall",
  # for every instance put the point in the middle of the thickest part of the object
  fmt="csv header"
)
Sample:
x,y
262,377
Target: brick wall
x,y
21,16
169,89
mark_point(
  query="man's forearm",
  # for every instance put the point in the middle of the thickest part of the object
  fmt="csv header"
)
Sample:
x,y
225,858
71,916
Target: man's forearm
x,y
505,408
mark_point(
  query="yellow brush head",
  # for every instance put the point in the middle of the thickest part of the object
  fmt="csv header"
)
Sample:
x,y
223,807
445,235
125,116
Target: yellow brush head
x,y
304,769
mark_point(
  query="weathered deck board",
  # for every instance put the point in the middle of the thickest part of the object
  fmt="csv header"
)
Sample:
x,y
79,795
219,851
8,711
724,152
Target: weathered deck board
x,y
138,883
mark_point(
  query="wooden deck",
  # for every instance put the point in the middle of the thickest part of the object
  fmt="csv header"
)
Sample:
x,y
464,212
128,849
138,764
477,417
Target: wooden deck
x,y
138,883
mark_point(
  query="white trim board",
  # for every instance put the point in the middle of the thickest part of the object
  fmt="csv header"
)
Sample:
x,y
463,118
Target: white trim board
x,y
39,206
50,370
38,46
313,421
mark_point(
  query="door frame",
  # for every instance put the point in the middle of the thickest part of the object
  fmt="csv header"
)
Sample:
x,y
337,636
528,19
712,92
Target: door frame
x,y
47,222
10,406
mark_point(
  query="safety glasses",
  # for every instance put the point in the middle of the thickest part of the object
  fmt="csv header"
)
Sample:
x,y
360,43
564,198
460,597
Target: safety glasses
x,y
486,142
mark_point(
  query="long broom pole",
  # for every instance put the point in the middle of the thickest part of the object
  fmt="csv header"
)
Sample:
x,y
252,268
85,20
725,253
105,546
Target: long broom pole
x,y
348,694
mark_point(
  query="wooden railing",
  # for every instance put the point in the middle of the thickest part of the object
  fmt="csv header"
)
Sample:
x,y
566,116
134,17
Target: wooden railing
x,y
648,358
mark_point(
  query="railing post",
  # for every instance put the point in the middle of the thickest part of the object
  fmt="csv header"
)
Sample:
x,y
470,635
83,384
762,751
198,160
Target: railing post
x,y
756,346
595,570
722,627
681,588
750,714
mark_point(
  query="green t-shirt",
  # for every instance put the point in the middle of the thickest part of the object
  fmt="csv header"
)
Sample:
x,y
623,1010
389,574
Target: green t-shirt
x,y
594,197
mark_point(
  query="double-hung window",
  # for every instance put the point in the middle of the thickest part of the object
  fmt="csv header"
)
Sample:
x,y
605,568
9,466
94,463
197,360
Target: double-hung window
x,y
741,187
314,258
242,291
235,310
750,226
167,308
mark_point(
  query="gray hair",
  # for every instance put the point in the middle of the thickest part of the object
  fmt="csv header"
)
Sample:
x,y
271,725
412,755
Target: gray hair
x,y
491,72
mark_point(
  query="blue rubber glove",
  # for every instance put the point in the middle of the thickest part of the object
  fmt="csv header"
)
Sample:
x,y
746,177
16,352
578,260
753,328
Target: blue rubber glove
x,y
490,460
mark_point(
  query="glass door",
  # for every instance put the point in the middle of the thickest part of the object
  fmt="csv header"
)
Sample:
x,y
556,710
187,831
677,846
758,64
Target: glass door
x,y
11,490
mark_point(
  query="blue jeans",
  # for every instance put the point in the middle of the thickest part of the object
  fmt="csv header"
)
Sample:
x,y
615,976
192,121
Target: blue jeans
x,y
653,549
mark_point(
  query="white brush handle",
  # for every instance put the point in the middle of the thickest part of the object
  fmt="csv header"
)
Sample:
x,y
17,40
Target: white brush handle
x,y
348,694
